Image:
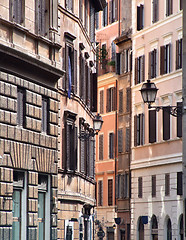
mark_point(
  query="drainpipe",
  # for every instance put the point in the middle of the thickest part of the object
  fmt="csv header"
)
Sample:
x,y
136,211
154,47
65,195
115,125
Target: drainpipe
x,y
116,136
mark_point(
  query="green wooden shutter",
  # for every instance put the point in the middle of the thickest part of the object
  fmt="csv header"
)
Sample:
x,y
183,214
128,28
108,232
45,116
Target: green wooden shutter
x,y
152,126
166,123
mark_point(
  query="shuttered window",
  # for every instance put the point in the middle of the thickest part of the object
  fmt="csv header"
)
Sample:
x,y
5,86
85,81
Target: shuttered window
x,y
152,126
179,121
111,99
181,4
81,10
42,17
179,183
86,14
69,5
17,11
45,115
21,106
101,95
127,140
165,59
97,20
140,187
140,69
101,147
70,141
92,158
118,63
111,145
166,123
113,49
113,11
153,64
167,184
169,7
155,7
120,140
140,17
110,192
128,99
105,16
153,182
120,100
100,193
179,54
139,129
92,23
93,99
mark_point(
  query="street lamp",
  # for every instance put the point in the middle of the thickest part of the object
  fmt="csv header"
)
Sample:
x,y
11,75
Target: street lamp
x,y
148,93
91,132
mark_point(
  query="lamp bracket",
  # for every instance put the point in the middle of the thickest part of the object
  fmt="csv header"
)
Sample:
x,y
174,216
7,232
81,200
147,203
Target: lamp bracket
x,y
175,111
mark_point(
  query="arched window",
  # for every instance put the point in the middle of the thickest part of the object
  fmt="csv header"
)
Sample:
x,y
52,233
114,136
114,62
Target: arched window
x,y
181,227
140,229
154,228
169,229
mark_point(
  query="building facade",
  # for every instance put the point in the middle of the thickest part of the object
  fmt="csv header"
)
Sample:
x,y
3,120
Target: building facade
x,y
29,71
156,163
77,108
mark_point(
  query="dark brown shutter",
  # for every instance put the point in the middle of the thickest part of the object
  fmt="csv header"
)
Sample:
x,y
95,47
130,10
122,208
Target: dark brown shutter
x,y
92,23
86,83
94,93
136,71
167,184
118,63
170,55
122,186
110,12
179,183
138,18
153,185
179,122
111,145
143,68
75,71
162,56
110,192
120,100
120,140
181,4
141,16
68,130
80,9
101,101
80,75
114,99
100,147
171,6
117,186
177,54
135,130
155,62
92,158
127,140
152,126
66,66
64,148
149,72
166,123
140,187
108,100
116,10
75,148
100,193
142,121
82,155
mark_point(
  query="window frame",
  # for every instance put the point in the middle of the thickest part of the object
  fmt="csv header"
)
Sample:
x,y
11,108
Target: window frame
x,y
110,192
45,115
18,10
111,145
21,107
140,187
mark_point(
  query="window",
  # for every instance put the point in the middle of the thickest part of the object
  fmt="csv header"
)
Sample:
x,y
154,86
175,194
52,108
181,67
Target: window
x,y
111,99
140,187
103,56
123,185
101,147
100,193
140,229
101,97
113,48
169,229
181,5
140,69
21,107
155,9
179,121
120,140
111,145
110,192
113,11
153,64
152,126
169,7
140,17
165,59
70,133
18,207
42,17
17,11
128,232
105,16
69,5
70,61
167,184
85,14
139,129
92,22
45,115
128,99
153,185
120,100
97,20
181,231
127,140
154,230
179,53
80,10
179,183
166,123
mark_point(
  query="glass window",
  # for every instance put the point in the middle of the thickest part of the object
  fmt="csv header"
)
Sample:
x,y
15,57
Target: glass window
x,y
41,214
16,210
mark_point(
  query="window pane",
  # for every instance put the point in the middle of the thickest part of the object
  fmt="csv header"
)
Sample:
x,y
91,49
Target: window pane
x,y
41,214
